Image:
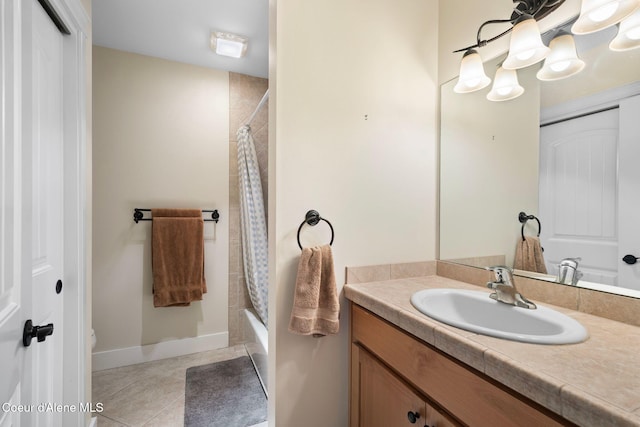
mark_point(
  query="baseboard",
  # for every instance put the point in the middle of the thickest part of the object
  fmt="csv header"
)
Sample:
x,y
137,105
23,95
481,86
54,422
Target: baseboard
x,y
163,350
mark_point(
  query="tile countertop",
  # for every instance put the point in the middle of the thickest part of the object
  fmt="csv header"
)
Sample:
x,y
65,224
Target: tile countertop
x,y
594,383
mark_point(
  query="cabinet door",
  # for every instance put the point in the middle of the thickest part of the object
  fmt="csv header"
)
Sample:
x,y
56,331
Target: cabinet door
x,y
385,401
436,418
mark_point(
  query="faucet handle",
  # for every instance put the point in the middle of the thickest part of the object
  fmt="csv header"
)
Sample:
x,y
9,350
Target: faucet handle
x,y
502,272
572,262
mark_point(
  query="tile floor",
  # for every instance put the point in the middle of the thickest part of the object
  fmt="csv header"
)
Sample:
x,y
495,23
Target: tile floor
x,y
152,393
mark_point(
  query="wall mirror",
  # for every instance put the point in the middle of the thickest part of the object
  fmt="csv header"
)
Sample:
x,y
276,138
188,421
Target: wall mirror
x,y
581,182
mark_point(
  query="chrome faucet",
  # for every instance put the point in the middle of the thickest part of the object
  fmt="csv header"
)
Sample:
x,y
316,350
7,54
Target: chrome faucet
x,y
568,271
505,288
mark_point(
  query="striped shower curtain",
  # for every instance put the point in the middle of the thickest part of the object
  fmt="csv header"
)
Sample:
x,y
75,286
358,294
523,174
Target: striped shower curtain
x,y
253,224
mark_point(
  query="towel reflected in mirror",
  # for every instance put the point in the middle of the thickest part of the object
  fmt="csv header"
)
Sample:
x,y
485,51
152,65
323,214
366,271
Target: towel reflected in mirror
x,y
529,255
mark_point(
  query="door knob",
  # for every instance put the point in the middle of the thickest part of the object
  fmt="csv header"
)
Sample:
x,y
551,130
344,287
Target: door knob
x,y
39,332
630,259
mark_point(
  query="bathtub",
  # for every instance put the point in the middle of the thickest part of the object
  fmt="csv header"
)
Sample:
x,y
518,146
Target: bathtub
x,y
257,344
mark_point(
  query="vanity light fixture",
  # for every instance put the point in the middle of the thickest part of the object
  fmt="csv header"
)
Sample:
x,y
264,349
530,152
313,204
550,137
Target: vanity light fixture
x,y
596,15
505,86
526,43
562,61
526,46
227,44
628,33
472,75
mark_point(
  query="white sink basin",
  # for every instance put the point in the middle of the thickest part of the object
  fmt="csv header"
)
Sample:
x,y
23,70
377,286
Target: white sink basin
x,y
474,311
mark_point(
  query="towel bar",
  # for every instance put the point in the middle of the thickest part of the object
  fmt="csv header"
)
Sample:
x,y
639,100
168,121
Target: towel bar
x,y
313,218
523,218
138,215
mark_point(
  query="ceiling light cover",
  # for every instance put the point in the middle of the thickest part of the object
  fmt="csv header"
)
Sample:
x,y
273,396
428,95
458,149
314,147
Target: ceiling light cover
x,y
472,76
628,34
596,15
227,44
505,86
562,61
526,47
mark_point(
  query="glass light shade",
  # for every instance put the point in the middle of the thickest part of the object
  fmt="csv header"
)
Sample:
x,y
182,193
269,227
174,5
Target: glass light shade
x,y
472,76
226,44
505,86
562,61
526,46
596,15
628,34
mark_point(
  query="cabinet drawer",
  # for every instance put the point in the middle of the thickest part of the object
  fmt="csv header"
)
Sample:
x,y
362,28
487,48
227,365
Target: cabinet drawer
x,y
470,396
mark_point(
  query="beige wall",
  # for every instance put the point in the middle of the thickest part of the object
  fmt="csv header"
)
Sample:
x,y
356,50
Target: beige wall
x,y
161,139
354,137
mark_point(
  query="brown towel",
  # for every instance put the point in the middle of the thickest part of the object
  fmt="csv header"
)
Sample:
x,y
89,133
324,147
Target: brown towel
x,y
529,255
316,308
177,256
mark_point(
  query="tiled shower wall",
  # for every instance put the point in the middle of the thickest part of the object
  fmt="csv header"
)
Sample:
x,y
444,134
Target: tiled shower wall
x,y
245,92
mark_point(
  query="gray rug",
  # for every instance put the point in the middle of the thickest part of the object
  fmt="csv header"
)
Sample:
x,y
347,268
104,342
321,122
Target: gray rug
x,y
224,394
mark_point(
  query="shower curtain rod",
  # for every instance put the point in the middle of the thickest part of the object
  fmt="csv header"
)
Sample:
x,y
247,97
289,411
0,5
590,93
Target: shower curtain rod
x,y
260,104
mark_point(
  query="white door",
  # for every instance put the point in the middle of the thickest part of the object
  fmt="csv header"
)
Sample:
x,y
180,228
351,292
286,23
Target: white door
x,y
31,249
629,192
578,194
10,302
589,186
44,169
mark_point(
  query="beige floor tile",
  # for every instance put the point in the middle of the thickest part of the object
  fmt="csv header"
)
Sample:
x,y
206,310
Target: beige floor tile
x,y
171,416
106,383
150,393
107,422
143,400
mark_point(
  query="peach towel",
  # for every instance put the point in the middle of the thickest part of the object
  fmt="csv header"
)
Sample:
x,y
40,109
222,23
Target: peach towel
x,y
316,307
529,255
177,257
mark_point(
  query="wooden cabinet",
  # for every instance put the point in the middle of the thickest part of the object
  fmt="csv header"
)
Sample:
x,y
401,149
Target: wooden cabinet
x,y
394,373
386,400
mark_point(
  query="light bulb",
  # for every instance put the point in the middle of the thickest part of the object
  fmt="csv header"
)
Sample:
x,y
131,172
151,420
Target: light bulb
x,y
603,13
505,86
523,56
596,15
628,36
562,61
560,66
472,76
525,47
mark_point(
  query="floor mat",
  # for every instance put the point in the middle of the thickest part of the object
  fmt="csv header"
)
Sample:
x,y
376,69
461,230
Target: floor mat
x,y
224,394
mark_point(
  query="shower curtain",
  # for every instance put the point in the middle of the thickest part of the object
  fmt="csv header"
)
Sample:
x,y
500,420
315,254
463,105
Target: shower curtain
x,y
252,223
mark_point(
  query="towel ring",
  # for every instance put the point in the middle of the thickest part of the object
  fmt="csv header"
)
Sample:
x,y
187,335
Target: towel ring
x,y
313,218
523,218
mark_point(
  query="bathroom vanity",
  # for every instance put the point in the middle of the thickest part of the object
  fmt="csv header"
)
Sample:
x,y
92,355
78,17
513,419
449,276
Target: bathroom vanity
x,y
407,368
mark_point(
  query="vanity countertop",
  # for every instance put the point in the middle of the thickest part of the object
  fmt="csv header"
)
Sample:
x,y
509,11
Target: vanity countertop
x,y
594,383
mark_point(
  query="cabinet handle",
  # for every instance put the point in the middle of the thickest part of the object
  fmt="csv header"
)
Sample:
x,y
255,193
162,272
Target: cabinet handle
x,y
413,417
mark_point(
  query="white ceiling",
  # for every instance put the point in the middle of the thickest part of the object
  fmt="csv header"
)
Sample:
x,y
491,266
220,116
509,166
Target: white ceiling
x,y
179,30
